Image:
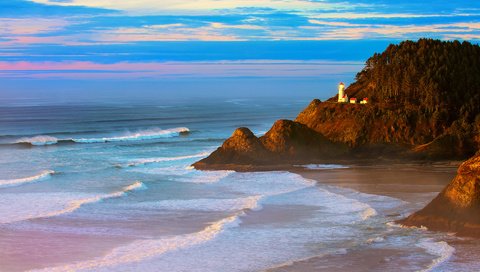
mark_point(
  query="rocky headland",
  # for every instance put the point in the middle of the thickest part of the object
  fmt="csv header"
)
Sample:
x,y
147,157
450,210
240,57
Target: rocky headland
x,y
423,105
424,102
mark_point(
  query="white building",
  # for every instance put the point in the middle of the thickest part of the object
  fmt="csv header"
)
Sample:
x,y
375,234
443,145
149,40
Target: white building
x,y
342,97
364,101
353,101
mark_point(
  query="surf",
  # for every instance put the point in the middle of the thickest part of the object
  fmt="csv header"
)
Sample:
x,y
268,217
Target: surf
x,y
140,162
38,205
20,181
150,134
141,135
141,250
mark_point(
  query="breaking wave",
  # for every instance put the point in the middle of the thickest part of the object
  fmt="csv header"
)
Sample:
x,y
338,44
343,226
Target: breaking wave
x,y
165,159
145,249
441,249
76,204
38,140
149,134
17,182
46,205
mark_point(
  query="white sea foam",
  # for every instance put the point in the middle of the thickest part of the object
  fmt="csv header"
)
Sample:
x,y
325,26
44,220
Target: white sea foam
x,y
323,166
38,140
252,248
155,133
441,249
238,204
19,207
166,159
187,174
16,182
145,249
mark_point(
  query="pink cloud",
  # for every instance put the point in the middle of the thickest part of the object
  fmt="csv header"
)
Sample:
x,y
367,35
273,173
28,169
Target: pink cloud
x,y
90,70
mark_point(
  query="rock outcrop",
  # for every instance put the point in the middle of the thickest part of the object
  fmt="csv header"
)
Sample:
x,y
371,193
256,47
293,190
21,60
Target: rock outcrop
x,y
457,207
286,143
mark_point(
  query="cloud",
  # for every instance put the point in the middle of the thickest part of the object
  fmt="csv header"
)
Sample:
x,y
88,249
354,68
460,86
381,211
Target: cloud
x,y
154,6
29,26
217,69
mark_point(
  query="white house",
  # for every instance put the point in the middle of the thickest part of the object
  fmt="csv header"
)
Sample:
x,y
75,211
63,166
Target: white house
x,y
364,101
353,101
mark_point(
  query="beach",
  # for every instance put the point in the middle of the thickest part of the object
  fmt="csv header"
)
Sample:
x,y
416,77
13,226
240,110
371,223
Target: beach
x,y
415,185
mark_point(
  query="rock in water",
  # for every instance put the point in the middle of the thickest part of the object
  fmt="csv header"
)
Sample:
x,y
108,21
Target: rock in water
x,y
287,142
457,207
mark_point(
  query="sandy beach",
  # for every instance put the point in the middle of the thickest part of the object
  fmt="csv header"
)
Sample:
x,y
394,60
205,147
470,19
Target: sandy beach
x,y
415,185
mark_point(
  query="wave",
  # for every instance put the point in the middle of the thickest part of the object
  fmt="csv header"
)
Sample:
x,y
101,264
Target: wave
x,y
237,204
17,182
38,140
166,159
441,249
145,249
149,134
76,204
46,205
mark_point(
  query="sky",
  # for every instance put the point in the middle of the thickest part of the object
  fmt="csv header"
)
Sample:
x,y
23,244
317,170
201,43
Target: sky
x,y
84,47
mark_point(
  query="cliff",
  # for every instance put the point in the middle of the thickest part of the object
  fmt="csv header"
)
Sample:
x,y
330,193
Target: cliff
x,y
424,104
457,207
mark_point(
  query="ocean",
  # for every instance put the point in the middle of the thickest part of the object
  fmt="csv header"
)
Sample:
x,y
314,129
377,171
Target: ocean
x,y
109,187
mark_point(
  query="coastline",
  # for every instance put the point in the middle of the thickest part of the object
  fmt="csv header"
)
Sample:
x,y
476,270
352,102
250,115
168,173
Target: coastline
x,y
414,184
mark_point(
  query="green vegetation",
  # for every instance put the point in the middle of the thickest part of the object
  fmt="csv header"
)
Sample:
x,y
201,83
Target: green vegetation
x,y
441,78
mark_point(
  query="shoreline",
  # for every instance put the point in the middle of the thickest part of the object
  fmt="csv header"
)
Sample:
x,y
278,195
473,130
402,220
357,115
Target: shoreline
x,y
414,184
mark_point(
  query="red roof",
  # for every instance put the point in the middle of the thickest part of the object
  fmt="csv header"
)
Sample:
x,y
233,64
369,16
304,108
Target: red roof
x,y
353,99
341,83
344,96
366,98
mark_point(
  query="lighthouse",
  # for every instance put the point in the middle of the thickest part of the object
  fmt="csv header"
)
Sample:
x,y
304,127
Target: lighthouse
x,y
342,97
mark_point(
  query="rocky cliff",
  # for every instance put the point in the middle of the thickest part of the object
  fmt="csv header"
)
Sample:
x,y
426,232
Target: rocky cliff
x,y
457,207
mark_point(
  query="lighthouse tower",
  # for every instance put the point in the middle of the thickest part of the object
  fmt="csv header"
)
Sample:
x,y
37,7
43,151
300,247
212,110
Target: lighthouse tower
x,y
342,97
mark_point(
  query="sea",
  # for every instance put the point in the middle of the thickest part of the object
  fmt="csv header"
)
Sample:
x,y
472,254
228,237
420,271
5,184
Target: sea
x,y
108,186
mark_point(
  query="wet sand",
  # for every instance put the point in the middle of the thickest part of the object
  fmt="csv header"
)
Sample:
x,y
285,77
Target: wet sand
x,y
416,185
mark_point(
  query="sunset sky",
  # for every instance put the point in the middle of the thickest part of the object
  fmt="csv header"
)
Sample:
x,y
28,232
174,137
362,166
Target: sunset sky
x,y
51,43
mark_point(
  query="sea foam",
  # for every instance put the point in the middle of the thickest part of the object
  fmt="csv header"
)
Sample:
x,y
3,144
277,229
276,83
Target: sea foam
x,y
145,249
19,207
17,182
165,159
323,166
38,140
441,249
237,204
150,134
